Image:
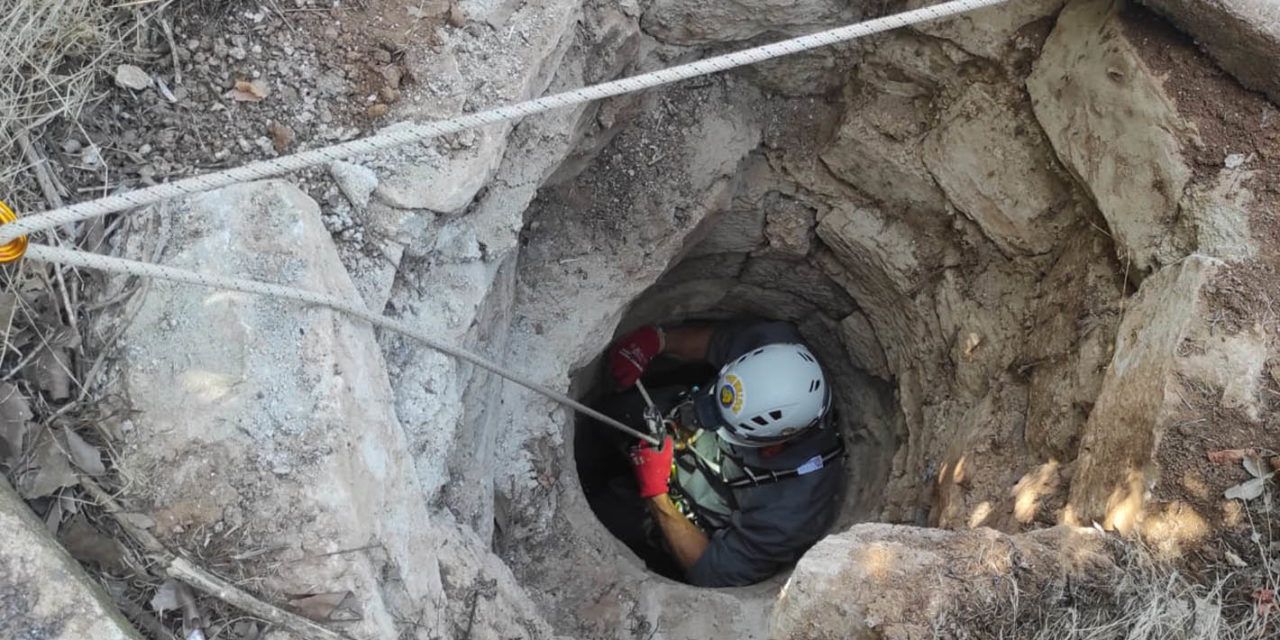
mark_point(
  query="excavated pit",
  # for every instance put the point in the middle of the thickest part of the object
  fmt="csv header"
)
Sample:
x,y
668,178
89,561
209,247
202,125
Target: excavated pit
x,y
719,286
917,203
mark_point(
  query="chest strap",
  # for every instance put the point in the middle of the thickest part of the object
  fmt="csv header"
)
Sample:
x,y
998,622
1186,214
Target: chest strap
x,y
755,477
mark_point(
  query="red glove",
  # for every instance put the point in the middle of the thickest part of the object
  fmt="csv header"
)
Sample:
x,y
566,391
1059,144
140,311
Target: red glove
x,y
652,467
631,355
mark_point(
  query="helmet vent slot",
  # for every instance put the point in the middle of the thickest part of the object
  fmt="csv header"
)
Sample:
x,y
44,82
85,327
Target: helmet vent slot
x,y
760,420
776,415
746,427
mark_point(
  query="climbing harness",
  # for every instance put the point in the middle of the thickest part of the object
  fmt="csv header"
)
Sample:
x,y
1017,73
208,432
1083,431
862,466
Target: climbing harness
x,y
755,477
14,230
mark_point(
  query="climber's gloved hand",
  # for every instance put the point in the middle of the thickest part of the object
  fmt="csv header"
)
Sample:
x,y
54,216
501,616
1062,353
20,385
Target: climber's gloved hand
x,y
652,466
631,355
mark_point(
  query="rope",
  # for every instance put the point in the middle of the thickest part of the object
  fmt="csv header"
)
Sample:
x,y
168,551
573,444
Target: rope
x,y
74,258
13,232
404,134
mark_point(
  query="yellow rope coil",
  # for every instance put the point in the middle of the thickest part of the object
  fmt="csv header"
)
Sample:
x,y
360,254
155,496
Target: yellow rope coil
x,y
13,249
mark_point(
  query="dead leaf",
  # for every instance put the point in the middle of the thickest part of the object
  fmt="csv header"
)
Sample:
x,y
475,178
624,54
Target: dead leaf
x,y
282,136
53,519
1247,490
1234,560
166,597
245,630
51,372
8,306
324,607
49,471
1265,601
249,91
83,454
14,417
87,544
139,520
1230,455
1253,464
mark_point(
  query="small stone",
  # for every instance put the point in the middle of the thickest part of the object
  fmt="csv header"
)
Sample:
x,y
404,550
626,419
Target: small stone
x,y
1234,160
392,73
282,136
131,77
92,157
456,16
356,182
376,110
238,53
389,94
71,145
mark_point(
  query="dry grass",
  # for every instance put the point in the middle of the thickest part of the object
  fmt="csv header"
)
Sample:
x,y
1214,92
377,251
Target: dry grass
x,y
1157,603
1130,596
50,58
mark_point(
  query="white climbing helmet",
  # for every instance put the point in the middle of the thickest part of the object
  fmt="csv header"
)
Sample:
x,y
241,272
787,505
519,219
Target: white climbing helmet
x,y
770,394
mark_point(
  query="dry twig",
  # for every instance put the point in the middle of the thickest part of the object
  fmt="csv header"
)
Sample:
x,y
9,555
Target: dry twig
x,y
182,569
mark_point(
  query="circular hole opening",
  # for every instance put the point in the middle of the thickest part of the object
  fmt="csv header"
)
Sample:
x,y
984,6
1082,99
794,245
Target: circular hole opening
x,y
862,413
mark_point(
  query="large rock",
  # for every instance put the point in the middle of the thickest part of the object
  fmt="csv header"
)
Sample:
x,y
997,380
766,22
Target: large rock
x,y
994,164
1112,123
1242,35
711,21
44,593
989,32
1077,311
1167,350
801,279
859,339
276,421
886,581
876,151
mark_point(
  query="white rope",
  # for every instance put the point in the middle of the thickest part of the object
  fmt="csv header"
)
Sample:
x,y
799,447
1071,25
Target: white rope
x,y
74,258
405,134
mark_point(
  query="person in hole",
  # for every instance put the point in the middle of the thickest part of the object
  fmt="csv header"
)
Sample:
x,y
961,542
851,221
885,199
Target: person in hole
x,y
750,473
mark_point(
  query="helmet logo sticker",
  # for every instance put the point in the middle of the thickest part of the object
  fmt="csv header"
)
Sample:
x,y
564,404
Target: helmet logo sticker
x,y
731,396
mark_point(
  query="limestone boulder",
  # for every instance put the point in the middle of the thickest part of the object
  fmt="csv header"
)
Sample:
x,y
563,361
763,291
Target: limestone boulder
x,y
876,151
445,184
1076,310
788,229
277,422
1243,36
888,581
1156,132
989,32
713,266
859,339
44,593
1111,122
1168,351
800,279
995,165
472,70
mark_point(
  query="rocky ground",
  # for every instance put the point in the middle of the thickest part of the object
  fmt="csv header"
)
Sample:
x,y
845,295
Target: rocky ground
x,y
1033,245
